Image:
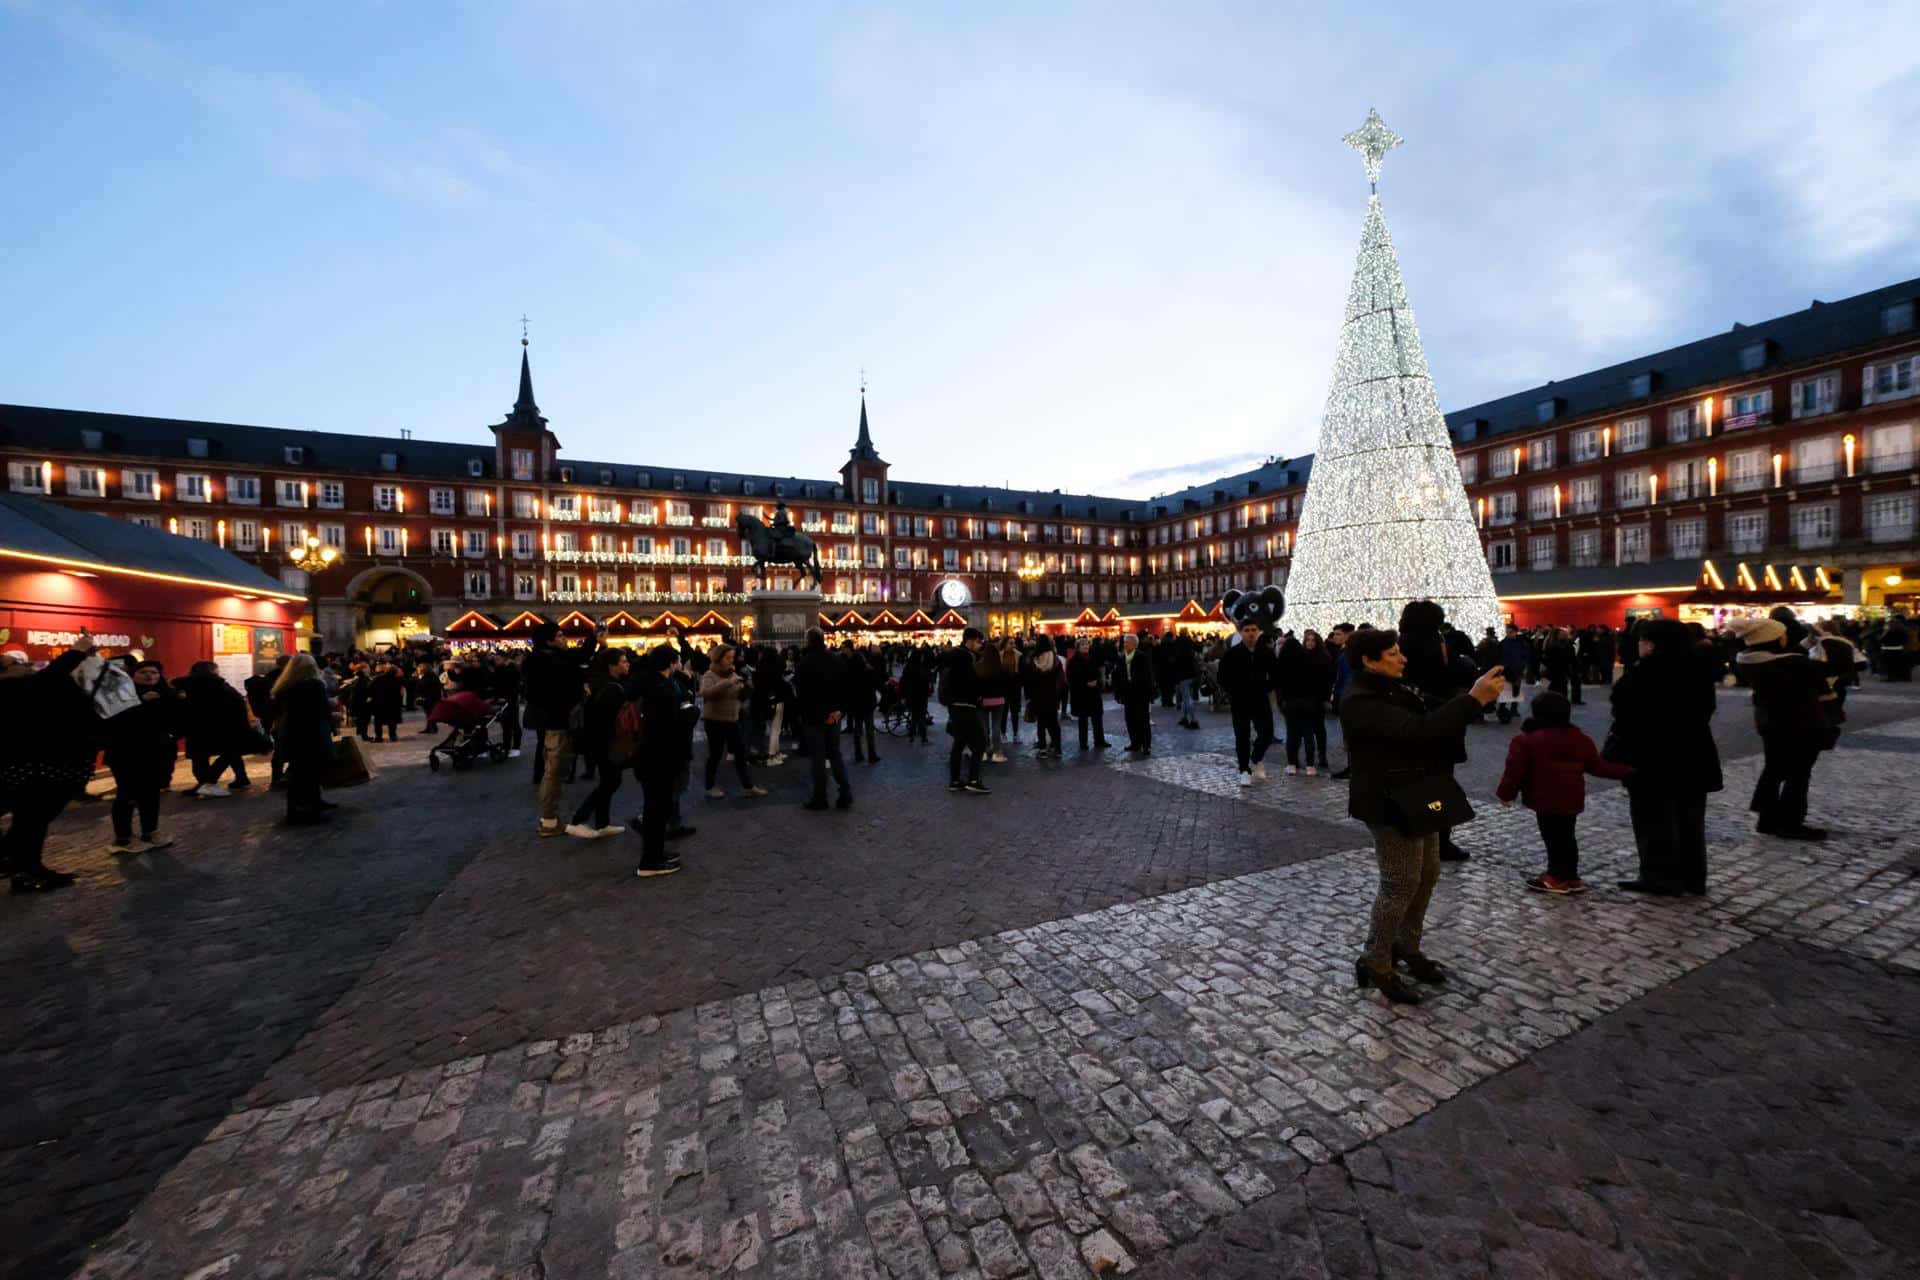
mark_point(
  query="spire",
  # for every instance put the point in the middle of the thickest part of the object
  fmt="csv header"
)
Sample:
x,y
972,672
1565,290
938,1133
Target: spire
x,y
863,450
524,405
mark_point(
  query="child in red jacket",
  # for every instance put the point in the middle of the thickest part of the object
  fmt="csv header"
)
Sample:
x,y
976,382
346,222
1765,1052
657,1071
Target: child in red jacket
x,y
1547,767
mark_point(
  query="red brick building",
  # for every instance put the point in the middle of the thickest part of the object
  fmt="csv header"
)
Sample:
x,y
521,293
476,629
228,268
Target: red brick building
x,y
1781,452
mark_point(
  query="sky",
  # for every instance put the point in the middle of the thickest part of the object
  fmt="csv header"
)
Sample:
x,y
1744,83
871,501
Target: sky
x,y
1097,247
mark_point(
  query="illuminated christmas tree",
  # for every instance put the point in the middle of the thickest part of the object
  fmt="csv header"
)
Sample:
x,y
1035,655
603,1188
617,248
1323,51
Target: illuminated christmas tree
x,y
1386,518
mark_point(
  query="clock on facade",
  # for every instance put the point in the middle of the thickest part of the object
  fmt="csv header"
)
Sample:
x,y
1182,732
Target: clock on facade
x,y
952,594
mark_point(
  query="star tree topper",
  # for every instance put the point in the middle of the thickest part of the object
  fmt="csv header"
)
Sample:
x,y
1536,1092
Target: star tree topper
x,y
1373,140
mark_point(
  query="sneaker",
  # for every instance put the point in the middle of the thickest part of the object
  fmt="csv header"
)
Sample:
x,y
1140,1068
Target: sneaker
x,y
121,846
1553,884
1246,779
212,789
239,784
754,793
776,759
665,869
1292,771
715,793
605,832
582,831
1260,772
157,841
1311,772
513,753
549,827
998,757
977,787
956,785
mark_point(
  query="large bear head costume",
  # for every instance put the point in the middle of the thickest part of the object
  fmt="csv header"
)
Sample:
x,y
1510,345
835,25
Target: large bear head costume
x,y
1263,606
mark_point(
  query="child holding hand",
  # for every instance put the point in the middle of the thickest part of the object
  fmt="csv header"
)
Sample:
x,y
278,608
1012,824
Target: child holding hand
x,y
1547,766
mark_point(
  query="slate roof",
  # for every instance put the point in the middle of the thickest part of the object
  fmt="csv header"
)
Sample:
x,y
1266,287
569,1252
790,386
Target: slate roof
x,y
1273,476
35,527
1823,329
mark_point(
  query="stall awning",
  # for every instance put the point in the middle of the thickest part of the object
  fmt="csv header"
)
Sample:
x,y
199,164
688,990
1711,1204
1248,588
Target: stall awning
x,y
34,531
1717,581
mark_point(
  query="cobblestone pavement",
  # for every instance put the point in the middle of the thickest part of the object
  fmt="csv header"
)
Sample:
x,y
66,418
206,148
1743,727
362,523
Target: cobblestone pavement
x,y
1181,1072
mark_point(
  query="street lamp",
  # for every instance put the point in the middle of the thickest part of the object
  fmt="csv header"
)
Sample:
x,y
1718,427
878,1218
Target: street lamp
x,y
313,557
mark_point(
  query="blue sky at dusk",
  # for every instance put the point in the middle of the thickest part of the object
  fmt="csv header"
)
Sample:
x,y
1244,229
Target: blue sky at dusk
x,y
1091,246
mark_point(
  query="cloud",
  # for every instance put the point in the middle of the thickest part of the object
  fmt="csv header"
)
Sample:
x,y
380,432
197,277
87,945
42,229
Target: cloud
x,y
1199,468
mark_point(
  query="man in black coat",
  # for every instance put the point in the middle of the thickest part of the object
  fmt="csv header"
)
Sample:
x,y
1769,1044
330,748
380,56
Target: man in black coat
x,y
820,683
667,715
556,683
1787,690
961,691
1134,688
1247,677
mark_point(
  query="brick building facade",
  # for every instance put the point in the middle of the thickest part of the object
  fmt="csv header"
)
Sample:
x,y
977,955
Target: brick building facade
x,y
1783,450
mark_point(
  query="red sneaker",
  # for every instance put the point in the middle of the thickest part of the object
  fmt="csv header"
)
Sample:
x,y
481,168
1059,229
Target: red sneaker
x,y
1553,884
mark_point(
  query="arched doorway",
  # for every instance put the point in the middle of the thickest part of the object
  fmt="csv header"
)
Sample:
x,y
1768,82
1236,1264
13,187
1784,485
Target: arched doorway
x,y
389,604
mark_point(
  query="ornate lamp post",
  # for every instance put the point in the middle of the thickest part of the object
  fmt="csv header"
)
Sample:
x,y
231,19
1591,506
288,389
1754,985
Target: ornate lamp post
x,y
311,559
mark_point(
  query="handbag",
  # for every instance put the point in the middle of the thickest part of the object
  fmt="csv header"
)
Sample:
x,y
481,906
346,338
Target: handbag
x,y
1426,805
346,766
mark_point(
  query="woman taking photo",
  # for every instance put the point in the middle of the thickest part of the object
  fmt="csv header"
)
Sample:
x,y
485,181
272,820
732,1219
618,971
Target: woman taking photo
x,y
1402,756
303,719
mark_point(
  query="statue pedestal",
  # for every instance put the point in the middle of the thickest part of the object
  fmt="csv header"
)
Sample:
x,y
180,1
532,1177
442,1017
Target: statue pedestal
x,y
782,617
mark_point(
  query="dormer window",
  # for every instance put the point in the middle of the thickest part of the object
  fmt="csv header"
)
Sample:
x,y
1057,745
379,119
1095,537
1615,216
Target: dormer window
x,y
779,490
1640,385
389,462
566,475
91,440
606,475
476,467
713,484
296,455
679,482
196,446
746,487
1896,317
1753,356
1549,409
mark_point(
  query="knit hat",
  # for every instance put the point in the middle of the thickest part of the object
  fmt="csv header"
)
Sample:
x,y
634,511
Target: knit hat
x,y
1754,632
18,655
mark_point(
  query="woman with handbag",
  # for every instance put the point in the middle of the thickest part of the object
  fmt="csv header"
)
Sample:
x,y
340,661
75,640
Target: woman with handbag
x,y
303,723
1402,756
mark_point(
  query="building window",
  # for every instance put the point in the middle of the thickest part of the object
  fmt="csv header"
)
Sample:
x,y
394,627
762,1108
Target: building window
x,y
521,461
869,490
473,544
1501,464
477,504
1506,507
566,541
1687,479
523,544
196,446
1746,532
246,535
1749,409
525,587
1631,488
1816,395
870,525
566,506
479,585
1815,460
1540,551
440,501
1630,544
334,535
1500,556
385,497
293,534
524,507
1683,423
197,527
1896,317
293,493
1584,548
683,547
1540,502
140,484
1813,525
1890,518
1631,434
1889,380
1687,539
1540,454
1586,444
1890,448
243,489
386,540
1746,470
191,488
144,521
950,559
1586,495
333,494
871,556
443,542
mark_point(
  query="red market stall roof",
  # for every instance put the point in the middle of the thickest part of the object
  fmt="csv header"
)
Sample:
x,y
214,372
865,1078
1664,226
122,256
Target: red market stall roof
x,y
1118,615
49,536
474,623
577,624
1703,582
888,620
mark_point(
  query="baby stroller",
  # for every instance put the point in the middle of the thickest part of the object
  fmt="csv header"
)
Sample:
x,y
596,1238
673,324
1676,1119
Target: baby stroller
x,y
476,731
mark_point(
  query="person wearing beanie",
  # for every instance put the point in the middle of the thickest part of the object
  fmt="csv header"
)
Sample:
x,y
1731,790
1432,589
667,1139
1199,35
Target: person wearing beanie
x,y
1787,689
1547,768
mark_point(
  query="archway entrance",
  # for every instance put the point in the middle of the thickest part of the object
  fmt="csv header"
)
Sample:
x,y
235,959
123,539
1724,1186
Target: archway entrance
x,y
390,606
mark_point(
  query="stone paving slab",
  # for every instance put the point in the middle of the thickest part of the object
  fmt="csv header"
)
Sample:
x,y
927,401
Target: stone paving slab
x,y
1068,1097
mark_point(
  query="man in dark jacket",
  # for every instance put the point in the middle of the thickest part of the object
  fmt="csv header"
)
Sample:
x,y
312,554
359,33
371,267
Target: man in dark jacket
x,y
1133,689
260,702
667,715
42,768
216,725
962,688
1247,677
556,683
1513,656
1787,688
820,684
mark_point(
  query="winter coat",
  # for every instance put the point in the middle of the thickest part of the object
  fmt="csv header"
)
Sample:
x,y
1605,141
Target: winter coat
x,y
50,719
385,695
1083,686
1515,653
1305,675
820,682
720,696
304,716
964,685
1548,767
1787,688
1247,675
556,681
1135,686
215,717
1041,680
1662,725
597,719
1393,739
669,716
147,737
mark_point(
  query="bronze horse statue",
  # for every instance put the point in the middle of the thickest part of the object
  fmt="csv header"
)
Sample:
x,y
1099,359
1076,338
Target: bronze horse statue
x,y
773,545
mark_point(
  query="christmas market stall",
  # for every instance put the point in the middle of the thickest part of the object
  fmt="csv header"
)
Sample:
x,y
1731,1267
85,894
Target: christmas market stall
x,y
137,590
888,627
476,632
1710,592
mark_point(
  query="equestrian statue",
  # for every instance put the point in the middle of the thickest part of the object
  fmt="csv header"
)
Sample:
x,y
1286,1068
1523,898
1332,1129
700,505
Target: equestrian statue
x,y
780,543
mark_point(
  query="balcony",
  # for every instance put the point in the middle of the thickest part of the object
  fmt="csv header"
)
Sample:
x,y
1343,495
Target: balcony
x,y
1811,539
1814,473
1882,463
1746,545
1685,490
1741,421
1746,483
692,560
679,522
1898,531
1584,559
715,522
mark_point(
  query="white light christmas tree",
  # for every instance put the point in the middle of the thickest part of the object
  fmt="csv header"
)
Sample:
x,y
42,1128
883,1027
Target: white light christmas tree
x,y
1386,518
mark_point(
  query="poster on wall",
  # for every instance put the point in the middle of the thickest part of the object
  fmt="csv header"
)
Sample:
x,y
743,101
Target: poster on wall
x,y
233,652
269,644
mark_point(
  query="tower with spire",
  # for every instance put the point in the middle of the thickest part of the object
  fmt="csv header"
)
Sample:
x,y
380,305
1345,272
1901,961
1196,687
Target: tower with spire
x,y
525,449
865,472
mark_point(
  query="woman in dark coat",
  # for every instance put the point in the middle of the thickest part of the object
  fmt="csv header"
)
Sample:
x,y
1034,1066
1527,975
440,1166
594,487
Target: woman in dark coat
x,y
1085,700
1042,675
606,694
1394,740
44,760
142,743
1306,683
386,694
865,674
303,725
1662,725
216,726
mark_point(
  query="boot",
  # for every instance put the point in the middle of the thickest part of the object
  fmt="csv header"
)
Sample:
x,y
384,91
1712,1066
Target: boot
x,y
1389,984
1419,968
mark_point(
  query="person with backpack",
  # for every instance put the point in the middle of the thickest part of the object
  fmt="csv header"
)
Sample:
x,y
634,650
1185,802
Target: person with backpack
x,y
961,690
722,690
601,741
